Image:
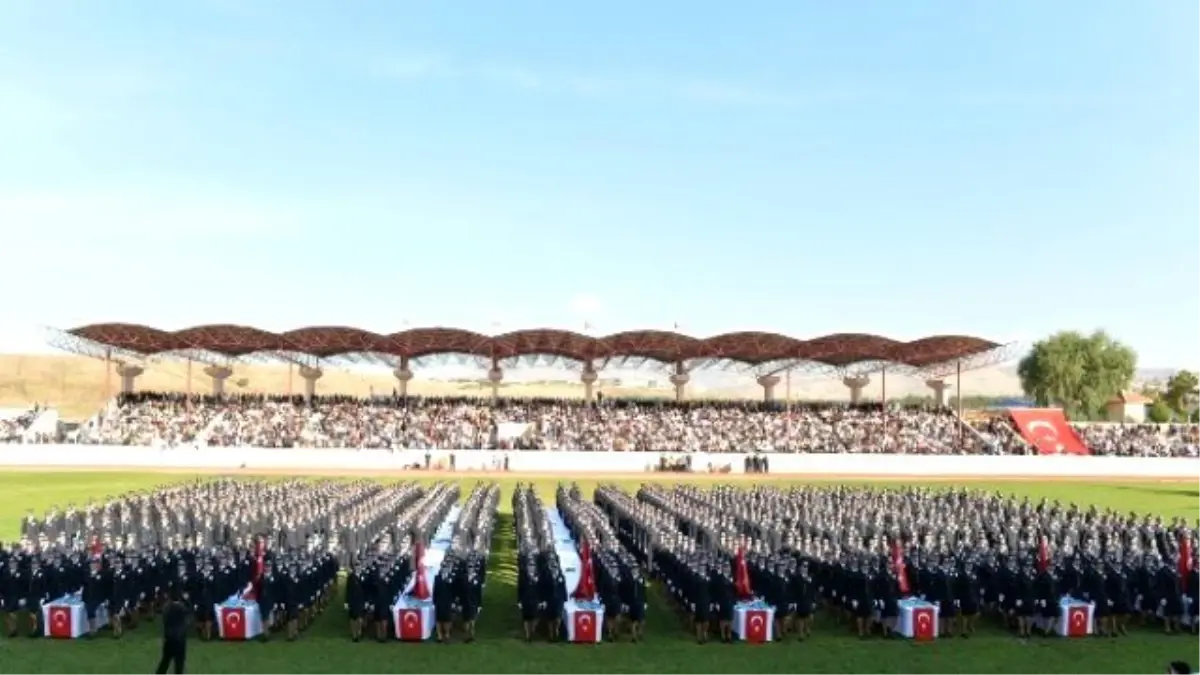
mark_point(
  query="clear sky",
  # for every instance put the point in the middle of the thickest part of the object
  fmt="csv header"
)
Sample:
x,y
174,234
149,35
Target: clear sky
x,y
1004,169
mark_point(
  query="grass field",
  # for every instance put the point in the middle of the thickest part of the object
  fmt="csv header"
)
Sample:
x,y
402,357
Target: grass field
x,y
325,649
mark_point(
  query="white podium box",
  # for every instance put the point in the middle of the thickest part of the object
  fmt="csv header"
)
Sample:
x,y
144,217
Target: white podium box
x,y
66,618
754,621
238,620
918,620
413,620
1076,618
584,621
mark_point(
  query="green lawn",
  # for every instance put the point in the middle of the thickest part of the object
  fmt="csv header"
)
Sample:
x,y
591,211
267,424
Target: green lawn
x,y
324,649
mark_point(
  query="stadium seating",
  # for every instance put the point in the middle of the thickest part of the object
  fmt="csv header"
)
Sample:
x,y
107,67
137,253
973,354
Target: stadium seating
x,y
413,423
14,423
551,424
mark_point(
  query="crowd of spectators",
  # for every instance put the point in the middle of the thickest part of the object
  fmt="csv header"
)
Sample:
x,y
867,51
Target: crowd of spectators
x,y
13,428
1142,440
999,436
525,424
417,423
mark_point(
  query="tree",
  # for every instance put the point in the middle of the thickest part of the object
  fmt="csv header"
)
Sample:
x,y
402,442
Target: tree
x,y
1078,372
1159,412
1181,392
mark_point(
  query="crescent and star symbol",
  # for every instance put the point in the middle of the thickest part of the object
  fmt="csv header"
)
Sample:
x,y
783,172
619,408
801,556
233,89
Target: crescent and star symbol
x,y
233,619
410,619
923,621
59,618
585,620
756,623
1050,435
1077,618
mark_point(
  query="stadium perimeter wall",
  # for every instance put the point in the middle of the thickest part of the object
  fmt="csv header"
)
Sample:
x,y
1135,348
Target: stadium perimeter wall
x,y
89,457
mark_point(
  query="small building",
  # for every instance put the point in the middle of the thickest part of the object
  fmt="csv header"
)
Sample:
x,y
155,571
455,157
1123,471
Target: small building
x,y
1127,406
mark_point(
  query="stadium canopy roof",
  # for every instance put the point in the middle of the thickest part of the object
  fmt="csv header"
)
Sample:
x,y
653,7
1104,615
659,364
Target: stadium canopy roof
x,y
751,348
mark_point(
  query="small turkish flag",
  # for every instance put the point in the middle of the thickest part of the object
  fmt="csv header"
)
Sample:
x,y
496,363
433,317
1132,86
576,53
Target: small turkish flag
x,y
924,624
233,623
585,625
61,622
409,626
756,626
1077,621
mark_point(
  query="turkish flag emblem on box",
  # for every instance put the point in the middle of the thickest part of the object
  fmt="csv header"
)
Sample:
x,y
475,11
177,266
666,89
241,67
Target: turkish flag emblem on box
x,y
1077,621
923,624
585,625
756,626
233,623
408,627
60,623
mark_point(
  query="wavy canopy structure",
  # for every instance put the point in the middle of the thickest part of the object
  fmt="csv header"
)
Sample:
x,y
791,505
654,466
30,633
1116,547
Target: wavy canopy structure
x,y
751,348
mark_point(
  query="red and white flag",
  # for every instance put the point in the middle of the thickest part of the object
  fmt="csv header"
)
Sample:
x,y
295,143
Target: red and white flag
x,y
757,624
1185,561
585,625
233,623
421,585
899,568
61,622
741,576
924,624
586,590
410,625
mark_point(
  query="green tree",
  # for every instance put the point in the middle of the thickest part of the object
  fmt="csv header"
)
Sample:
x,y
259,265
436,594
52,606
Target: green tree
x,y
1159,412
1078,372
1181,392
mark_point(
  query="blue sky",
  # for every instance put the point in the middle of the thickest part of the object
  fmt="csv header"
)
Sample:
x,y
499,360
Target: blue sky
x,y
903,168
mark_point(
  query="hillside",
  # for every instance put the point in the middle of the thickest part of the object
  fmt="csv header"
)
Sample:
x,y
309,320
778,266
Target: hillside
x,y
76,385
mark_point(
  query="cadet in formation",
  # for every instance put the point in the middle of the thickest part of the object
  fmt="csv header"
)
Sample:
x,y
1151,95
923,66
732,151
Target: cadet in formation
x,y
381,575
859,551
619,579
207,541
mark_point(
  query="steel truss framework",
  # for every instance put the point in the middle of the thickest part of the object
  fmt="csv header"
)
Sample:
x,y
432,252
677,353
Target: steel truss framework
x,y
759,352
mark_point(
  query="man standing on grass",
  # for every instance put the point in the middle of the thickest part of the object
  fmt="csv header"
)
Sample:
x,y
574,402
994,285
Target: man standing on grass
x,y
174,645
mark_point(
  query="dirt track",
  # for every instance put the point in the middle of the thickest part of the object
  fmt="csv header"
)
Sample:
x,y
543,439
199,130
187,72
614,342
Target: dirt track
x,y
583,475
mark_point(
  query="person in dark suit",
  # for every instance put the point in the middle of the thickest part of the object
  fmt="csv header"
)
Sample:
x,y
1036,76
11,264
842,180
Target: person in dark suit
x,y
472,597
633,599
356,602
13,587
443,601
265,596
95,593
381,602
528,598
701,601
174,644
294,599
